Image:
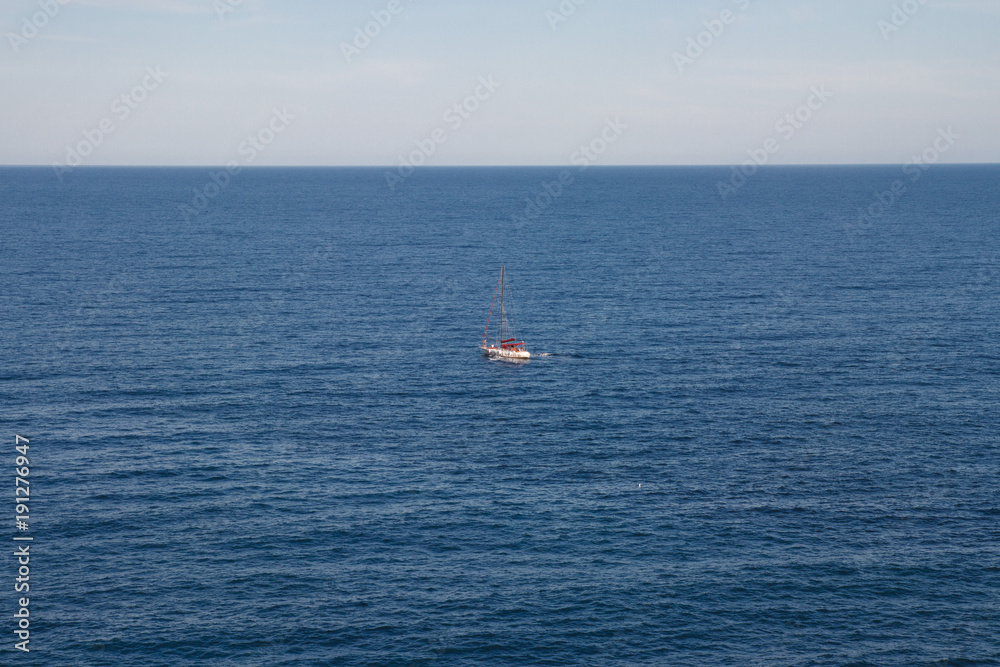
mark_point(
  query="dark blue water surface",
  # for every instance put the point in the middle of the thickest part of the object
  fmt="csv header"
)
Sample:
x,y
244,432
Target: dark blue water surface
x,y
765,431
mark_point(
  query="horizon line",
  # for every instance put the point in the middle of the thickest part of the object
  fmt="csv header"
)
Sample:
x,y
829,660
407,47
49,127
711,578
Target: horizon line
x,y
489,166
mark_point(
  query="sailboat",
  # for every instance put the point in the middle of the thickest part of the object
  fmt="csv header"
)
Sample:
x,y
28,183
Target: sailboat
x,y
503,348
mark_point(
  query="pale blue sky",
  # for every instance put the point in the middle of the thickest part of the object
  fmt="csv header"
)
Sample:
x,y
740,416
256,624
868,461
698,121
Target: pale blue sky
x,y
558,86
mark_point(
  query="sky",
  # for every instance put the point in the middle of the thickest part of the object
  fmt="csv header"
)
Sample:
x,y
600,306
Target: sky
x,y
637,82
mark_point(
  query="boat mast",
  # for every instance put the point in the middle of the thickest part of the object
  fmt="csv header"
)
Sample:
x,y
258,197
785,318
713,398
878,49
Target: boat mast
x,y
502,268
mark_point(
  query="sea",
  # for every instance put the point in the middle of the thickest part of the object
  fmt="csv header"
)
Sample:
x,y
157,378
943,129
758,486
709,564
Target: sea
x,y
759,426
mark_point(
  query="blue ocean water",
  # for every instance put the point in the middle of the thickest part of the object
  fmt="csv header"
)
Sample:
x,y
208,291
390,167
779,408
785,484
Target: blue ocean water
x,y
764,430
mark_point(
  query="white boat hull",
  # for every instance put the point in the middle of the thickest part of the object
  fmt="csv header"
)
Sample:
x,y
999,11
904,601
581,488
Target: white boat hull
x,y
497,353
